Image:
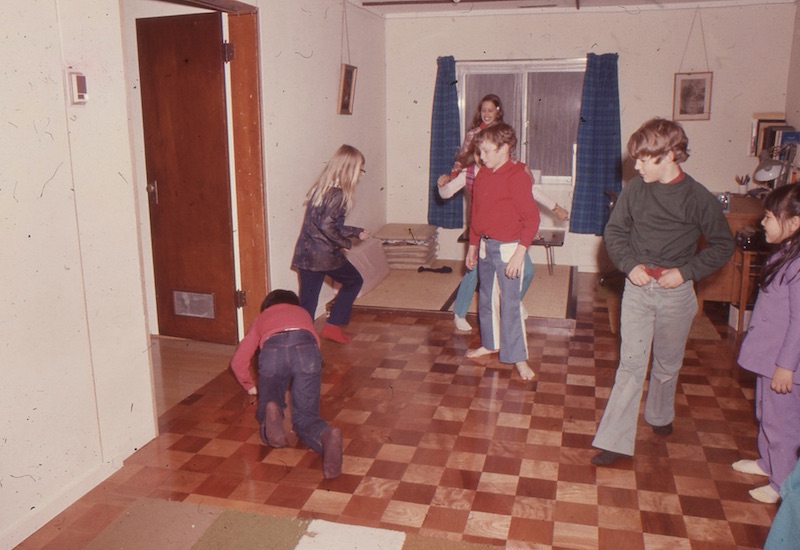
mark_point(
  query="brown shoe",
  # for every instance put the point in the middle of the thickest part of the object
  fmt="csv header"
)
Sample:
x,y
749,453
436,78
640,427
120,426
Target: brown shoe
x,y
663,430
606,458
331,452
272,429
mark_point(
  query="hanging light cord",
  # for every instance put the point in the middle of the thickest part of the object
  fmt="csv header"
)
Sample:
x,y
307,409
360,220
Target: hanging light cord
x,y
345,34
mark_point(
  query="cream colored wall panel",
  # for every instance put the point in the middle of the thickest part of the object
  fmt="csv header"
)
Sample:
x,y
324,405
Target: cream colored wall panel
x,y
77,396
750,74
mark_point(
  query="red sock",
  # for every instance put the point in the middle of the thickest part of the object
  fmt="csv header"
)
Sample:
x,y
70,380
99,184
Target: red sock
x,y
334,332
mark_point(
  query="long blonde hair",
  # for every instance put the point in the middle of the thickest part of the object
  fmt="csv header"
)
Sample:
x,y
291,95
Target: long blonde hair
x,y
342,171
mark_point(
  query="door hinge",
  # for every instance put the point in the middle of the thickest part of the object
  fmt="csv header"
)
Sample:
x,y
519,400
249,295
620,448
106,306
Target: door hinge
x,y
228,53
240,298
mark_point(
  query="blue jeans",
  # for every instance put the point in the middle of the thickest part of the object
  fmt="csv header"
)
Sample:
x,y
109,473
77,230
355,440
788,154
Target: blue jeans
x,y
469,282
293,357
311,283
501,327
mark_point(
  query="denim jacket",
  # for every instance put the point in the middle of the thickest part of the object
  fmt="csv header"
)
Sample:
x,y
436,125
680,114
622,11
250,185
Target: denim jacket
x,y
324,235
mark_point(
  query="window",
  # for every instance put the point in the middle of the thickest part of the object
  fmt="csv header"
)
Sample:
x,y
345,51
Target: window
x,y
541,100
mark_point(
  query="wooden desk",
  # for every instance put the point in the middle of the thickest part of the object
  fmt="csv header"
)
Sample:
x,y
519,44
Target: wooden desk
x,y
747,264
723,285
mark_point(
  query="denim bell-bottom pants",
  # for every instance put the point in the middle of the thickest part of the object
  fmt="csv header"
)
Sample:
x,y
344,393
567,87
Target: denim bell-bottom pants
x,y
469,283
499,300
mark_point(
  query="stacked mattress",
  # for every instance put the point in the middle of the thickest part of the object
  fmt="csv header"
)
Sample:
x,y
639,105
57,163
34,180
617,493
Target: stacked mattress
x,y
409,245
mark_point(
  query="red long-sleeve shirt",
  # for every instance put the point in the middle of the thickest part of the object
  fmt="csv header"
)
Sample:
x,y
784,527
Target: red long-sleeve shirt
x,y
503,207
274,319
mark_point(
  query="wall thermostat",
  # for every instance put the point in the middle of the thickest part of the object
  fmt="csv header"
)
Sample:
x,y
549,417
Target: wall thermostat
x,y
77,87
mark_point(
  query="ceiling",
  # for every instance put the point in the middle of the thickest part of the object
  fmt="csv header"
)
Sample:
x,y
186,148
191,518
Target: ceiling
x,y
391,8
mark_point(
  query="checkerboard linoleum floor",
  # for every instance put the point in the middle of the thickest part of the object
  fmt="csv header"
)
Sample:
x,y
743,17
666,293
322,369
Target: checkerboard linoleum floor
x,y
447,447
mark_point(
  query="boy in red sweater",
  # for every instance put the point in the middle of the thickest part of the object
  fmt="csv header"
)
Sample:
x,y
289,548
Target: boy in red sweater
x,y
289,353
504,221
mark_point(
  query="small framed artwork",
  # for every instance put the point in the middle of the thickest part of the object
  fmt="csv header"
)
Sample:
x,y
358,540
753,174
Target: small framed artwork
x,y
692,96
347,90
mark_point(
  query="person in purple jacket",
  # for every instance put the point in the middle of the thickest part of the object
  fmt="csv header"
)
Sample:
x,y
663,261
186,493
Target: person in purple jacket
x,y
771,348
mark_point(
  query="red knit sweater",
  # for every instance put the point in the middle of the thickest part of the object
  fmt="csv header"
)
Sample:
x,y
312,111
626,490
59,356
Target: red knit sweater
x,y
502,205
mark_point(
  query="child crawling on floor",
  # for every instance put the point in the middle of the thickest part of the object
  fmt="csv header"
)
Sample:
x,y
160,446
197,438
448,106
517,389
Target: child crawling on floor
x,y
288,354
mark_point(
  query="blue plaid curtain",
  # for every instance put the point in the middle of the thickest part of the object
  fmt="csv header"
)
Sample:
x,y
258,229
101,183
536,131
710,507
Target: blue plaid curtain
x,y
445,142
599,162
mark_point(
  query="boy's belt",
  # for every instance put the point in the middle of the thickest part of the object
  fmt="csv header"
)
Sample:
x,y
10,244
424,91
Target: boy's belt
x,y
654,272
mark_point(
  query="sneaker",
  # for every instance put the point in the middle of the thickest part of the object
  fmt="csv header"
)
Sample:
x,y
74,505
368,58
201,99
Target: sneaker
x,y
663,430
749,467
331,452
462,324
606,458
765,494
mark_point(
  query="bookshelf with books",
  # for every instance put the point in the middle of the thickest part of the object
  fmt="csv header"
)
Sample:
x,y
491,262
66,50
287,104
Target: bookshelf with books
x,y
773,136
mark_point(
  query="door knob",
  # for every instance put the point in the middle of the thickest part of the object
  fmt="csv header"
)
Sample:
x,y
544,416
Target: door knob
x,y
152,191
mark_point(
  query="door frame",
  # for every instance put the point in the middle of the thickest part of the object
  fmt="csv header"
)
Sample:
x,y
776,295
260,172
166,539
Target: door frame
x,y
248,158
245,122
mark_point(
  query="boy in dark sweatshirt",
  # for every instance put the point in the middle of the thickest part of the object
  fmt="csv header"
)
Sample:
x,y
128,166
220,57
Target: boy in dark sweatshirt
x,y
652,237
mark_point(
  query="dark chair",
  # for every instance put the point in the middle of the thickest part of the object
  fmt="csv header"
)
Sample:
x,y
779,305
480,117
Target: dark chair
x,y
615,274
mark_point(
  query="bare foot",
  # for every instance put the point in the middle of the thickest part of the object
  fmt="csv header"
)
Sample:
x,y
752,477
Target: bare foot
x,y
273,426
524,370
480,352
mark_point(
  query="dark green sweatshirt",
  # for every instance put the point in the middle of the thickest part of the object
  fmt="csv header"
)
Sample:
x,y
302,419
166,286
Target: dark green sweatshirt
x,y
659,224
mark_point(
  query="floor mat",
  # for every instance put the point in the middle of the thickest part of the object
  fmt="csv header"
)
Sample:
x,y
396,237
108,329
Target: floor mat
x,y
414,290
429,291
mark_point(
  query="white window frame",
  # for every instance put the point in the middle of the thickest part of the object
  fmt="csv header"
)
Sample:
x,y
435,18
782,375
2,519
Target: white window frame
x,y
520,68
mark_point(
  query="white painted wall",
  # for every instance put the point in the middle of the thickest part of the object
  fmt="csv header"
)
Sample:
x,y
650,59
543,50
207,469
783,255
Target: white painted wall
x,y
750,75
76,397
793,86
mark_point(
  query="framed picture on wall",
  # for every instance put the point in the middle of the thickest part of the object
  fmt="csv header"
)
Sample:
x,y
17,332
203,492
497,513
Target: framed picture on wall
x,y
692,96
347,89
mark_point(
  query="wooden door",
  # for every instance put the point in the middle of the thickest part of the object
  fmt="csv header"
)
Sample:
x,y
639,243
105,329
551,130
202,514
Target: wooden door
x,y
187,160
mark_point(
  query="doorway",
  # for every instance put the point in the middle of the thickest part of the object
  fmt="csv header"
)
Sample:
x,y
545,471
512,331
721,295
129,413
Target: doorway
x,y
204,167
